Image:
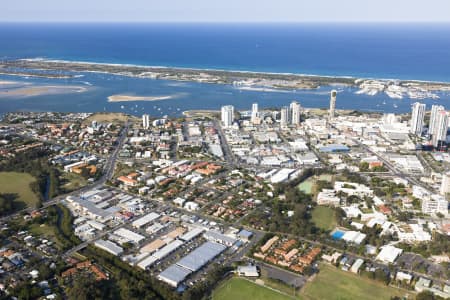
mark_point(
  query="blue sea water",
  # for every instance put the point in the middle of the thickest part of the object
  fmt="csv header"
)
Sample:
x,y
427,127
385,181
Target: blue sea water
x,y
402,51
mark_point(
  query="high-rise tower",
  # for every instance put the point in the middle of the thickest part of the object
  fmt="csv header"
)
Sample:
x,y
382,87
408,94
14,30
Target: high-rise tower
x,y
227,115
417,116
333,95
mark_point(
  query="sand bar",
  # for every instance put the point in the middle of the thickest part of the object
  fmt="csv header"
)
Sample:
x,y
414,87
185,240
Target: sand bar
x,y
42,90
126,98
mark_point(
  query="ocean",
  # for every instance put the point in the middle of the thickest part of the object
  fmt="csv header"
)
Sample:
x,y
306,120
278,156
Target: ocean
x,y
397,51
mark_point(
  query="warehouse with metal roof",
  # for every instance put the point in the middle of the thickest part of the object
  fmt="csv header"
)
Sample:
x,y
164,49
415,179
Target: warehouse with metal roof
x,y
195,260
174,275
212,235
191,234
145,220
166,250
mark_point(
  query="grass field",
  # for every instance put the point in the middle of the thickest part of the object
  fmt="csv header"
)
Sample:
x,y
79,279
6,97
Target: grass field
x,y
324,217
74,181
19,183
332,283
45,231
306,186
309,185
238,288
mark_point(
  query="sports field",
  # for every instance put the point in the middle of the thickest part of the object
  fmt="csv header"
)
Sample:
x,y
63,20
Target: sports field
x,y
238,288
324,217
306,186
19,183
332,283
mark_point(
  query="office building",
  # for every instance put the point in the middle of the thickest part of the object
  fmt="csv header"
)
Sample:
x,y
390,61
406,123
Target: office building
x,y
418,114
145,121
439,135
295,112
227,115
333,95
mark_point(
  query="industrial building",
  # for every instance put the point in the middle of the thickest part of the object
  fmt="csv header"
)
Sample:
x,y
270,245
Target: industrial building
x,y
129,235
174,275
195,260
145,220
109,246
218,237
191,263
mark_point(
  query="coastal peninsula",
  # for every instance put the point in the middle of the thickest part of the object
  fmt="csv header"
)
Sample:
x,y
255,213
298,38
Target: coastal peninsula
x,y
257,81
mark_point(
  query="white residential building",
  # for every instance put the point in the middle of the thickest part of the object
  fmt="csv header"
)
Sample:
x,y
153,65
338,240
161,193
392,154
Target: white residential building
x,y
439,134
227,115
445,185
295,112
417,117
435,204
284,119
145,121
255,114
435,109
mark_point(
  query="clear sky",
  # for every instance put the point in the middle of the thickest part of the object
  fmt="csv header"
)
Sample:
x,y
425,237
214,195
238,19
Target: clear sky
x,y
225,10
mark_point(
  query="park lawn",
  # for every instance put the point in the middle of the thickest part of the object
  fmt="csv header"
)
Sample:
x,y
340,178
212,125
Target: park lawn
x,y
332,283
19,183
324,217
238,288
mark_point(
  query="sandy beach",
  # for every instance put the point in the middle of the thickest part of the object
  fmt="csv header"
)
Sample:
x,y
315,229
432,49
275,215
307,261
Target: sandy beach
x,y
8,82
127,98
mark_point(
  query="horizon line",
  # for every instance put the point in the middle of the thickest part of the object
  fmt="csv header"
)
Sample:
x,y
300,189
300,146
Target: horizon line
x,y
225,22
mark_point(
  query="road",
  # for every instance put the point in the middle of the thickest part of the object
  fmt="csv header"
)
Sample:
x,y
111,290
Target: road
x,y
228,154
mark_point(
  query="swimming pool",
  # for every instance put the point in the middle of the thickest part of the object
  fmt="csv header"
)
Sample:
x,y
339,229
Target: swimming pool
x,y
337,235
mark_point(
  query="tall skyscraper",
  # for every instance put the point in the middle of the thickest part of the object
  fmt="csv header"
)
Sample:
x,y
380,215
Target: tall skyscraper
x,y
284,119
333,95
435,109
440,128
295,112
255,113
418,114
145,121
227,115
